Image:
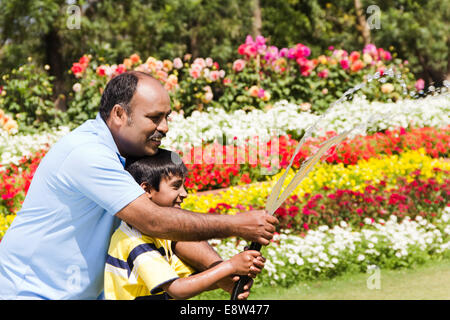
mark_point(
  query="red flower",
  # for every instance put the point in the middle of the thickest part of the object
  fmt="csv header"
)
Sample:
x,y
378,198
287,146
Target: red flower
x,y
77,68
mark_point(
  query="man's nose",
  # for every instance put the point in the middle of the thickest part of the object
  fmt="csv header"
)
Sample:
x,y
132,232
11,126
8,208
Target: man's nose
x,y
163,126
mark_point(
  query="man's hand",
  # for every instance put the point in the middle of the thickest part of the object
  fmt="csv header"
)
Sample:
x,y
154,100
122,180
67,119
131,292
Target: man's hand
x,y
256,226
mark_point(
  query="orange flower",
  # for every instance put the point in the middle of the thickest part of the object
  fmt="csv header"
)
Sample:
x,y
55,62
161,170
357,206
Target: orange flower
x,y
167,65
322,59
128,63
10,125
162,75
253,91
135,58
171,83
357,65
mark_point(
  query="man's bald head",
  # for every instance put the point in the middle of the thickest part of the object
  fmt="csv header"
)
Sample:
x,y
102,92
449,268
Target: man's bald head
x,y
121,89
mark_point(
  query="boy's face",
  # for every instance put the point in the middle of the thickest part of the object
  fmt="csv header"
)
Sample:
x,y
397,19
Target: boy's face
x,y
171,192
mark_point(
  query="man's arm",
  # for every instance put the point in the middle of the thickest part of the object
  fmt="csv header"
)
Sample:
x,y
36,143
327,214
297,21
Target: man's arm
x,y
182,225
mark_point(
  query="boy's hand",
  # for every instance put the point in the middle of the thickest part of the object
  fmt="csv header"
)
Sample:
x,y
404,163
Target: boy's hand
x,y
248,263
256,225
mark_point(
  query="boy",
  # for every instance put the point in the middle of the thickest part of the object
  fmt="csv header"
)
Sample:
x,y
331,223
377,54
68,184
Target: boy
x,y
138,266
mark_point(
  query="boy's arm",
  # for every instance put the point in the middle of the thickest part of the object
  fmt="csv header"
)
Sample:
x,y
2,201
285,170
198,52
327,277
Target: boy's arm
x,y
244,263
201,256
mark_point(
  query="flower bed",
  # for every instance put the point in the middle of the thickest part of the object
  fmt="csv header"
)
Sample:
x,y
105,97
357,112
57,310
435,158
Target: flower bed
x,y
327,252
288,118
14,148
264,74
411,170
283,119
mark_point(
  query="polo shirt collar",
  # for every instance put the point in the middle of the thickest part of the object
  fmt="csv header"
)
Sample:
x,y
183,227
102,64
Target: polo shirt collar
x,y
107,138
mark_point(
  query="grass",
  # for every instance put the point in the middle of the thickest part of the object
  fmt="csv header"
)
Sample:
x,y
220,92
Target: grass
x,y
428,281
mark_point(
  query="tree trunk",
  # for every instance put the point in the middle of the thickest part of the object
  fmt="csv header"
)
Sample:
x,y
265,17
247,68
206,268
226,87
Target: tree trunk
x,y
193,43
54,59
257,20
430,75
362,26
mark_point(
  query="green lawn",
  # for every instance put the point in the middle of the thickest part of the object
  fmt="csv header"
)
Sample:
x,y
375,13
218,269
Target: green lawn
x,y
429,281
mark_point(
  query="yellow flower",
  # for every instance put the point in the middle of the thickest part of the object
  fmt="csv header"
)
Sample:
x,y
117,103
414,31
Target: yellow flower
x,y
335,176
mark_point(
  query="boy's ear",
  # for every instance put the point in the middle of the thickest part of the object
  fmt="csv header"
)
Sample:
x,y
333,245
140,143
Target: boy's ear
x,y
147,188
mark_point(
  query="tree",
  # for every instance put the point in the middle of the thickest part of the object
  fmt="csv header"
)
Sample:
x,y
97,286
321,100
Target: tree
x,y
420,32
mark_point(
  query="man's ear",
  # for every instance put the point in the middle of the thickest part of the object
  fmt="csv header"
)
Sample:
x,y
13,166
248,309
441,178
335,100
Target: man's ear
x,y
118,115
147,188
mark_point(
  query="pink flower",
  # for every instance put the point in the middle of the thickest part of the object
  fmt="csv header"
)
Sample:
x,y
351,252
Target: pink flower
x,y
323,74
200,61
344,63
420,84
208,96
194,73
121,69
101,71
271,54
261,93
177,63
284,52
387,55
238,65
302,50
214,75
371,49
209,62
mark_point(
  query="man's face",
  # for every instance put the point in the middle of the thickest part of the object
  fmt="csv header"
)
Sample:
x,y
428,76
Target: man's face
x,y
141,133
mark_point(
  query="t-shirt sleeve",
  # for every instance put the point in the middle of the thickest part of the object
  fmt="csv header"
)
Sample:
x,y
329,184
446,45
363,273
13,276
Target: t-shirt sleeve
x,y
182,269
96,171
153,268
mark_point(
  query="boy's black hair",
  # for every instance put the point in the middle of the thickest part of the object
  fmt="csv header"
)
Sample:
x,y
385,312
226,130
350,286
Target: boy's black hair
x,y
152,169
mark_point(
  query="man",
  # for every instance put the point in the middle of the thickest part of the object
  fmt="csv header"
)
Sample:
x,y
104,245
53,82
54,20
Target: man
x,y
56,247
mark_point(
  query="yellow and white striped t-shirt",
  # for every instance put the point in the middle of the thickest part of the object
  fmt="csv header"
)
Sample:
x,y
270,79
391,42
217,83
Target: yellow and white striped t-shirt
x,y
137,265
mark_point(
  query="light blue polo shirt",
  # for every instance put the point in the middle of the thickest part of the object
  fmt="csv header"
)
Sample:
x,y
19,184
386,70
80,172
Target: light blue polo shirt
x,y
57,245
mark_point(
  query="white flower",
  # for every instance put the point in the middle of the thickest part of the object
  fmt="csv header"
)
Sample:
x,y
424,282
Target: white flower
x,y
76,87
360,257
343,224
